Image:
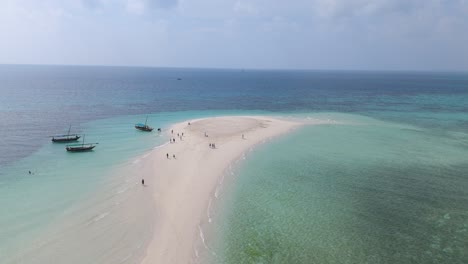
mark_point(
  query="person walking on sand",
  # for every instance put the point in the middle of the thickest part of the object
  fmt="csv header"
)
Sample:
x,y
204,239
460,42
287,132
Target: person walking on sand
x,y
167,155
173,155
172,131
142,181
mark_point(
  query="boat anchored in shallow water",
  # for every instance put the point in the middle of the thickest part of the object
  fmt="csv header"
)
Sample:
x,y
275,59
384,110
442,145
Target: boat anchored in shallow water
x,y
65,138
144,127
81,147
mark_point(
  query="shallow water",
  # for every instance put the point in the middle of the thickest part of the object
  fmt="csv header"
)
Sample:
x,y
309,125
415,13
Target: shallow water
x,y
88,206
362,192
342,191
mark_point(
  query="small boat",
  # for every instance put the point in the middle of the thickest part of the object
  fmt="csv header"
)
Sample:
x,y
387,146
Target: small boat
x,y
65,138
81,147
144,127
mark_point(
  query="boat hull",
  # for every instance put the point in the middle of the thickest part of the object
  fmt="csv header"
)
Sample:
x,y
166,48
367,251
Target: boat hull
x,y
67,139
146,129
79,149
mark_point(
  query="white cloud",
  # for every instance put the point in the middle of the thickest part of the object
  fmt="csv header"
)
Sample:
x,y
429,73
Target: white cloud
x,y
135,6
245,7
230,33
140,7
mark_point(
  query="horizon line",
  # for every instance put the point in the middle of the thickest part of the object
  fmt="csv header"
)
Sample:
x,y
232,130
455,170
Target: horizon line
x,y
233,68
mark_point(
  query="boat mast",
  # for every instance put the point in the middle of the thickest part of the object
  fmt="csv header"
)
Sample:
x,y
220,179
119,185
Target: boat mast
x,y
69,130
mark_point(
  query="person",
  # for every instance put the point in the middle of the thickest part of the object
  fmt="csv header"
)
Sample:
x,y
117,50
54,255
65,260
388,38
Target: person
x,y
173,140
159,129
29,172
178,134
182,133
142,181
210,145
242,136
173,155
167,155
172,131
214,146
189,123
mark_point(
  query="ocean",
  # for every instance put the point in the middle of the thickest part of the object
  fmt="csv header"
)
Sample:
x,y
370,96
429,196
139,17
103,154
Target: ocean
x,y
387,184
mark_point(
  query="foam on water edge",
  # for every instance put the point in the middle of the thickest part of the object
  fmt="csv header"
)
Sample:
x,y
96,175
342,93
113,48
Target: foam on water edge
x,y
203,252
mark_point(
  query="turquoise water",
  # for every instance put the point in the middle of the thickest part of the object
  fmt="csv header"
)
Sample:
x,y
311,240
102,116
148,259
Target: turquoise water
x,y
77,203
388,186
362,192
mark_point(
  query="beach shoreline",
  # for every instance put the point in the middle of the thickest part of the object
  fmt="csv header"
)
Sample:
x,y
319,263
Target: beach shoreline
x,y
184,184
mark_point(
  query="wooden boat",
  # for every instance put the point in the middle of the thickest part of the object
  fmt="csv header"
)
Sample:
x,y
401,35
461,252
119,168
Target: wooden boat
x,y
65,138
144,127
81,147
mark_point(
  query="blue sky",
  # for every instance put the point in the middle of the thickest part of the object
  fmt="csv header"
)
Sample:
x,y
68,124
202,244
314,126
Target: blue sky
x,y
300,34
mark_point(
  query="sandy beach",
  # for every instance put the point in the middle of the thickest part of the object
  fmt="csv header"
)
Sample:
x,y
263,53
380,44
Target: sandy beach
x,y
183,184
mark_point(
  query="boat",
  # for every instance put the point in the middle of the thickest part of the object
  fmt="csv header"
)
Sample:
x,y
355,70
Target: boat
x,y
65,138
144,127
81,147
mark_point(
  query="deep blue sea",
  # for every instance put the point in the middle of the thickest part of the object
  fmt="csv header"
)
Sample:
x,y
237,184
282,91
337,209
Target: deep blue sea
x,y
387,185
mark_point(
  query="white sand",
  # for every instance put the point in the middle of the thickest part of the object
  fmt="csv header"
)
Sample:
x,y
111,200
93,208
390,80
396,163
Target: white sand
x,y
183,186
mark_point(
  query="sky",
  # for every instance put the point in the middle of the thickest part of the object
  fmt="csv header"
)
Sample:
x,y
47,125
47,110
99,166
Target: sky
x,y
268,34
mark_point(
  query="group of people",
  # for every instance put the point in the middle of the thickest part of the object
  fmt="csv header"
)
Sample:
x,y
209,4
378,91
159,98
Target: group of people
x,y
171,140
179,135
212,145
